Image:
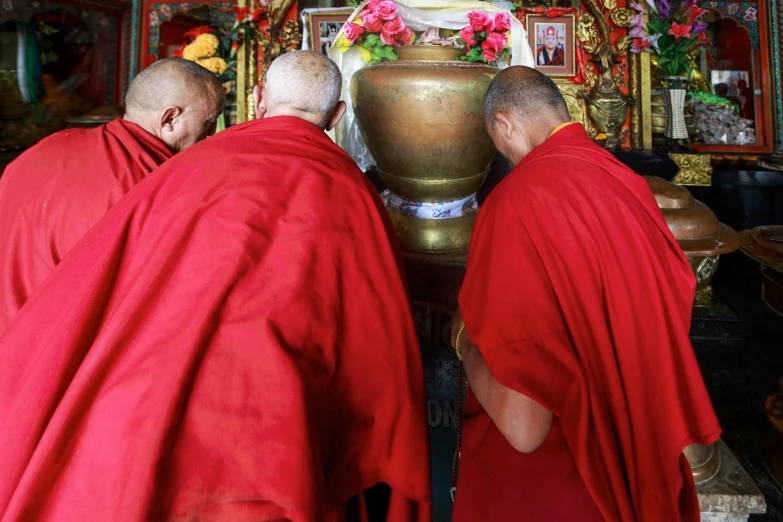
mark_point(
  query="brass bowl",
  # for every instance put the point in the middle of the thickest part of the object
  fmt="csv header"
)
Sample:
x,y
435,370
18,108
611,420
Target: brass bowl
x,y
422,117
765,246
701,236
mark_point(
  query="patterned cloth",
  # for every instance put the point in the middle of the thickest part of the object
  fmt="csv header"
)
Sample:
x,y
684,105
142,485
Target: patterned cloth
x,y
440,210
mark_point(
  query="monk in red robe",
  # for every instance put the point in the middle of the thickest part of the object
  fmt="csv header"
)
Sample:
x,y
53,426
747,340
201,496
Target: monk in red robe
x,y
232,341
583,386
56,191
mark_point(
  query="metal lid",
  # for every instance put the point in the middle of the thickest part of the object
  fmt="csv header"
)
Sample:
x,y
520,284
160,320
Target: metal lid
x,y
765,245
693,224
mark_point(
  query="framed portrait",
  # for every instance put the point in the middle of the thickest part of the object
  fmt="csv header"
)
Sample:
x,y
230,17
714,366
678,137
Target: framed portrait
x,y
323,26
553,43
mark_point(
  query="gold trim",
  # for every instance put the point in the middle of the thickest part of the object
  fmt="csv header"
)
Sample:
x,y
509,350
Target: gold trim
x,y
242,76
645,100
703,297
695,169
633,91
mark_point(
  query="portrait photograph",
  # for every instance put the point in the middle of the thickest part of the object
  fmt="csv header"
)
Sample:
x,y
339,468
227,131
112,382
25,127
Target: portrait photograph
x,y
553,44
322,27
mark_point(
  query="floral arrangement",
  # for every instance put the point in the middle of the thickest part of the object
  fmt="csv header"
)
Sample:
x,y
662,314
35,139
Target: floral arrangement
x,y
671,35
376,31
216,50
486,38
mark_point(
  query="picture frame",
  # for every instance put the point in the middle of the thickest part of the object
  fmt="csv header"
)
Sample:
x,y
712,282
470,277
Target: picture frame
x,y
553,42
323,25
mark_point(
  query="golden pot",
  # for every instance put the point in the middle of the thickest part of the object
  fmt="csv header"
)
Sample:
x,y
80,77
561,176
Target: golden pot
x,y
697,230
422,117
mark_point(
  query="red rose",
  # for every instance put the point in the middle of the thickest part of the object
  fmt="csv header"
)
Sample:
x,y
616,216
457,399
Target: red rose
x,y
394,26
352,31
502,22
404,36
372,6
495,42
371,22
467,36
387,10
480,21
489,56
388,39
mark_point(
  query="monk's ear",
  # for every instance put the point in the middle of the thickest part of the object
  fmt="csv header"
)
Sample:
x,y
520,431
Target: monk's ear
x,y
505,125
336,116
168,118
259,102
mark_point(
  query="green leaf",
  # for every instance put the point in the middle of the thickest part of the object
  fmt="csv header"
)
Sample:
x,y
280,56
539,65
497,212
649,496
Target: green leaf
x,y
459,41
372,39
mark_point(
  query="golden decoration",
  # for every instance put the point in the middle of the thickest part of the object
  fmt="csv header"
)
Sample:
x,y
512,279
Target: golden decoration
x,y
703,297
621,17
695,169
574,95
623,44
290,36
610,5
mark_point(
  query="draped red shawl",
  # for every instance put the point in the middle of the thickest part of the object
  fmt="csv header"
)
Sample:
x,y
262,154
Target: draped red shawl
x,y
579,297
56,191
233,341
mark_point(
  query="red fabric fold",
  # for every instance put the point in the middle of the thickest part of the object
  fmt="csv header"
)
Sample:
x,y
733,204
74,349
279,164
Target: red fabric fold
x,y
55,192
579,297
232,342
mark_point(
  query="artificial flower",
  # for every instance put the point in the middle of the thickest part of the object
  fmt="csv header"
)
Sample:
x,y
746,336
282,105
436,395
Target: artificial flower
x,y
480,21
639,45
468,36
696,12
343,44
679,31
214,64
365,54
405,37
394,26
699,28
495,42
371,22
651,3
489,55
664,9
704,38
196,31
653,40
636,32
637,20
387,10
242,13
502,21
636,7
352,31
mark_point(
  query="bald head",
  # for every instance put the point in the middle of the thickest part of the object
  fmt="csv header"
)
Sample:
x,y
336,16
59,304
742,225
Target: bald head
x,y
527,92
176,100
304,84
521,109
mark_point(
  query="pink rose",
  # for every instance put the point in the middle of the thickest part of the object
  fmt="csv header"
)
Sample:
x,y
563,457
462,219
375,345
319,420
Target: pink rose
x,y
479,21
394,26
387,38
502,22
371,22
468,37
352,31
387,10
495,42
404,36
372,6
489,56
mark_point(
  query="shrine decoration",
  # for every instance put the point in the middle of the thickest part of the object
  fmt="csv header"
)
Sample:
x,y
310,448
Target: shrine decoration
x,y
673,36
418,114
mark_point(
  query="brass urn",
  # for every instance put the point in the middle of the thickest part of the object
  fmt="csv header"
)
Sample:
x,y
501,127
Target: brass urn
x,y
765,246
697,230
422,118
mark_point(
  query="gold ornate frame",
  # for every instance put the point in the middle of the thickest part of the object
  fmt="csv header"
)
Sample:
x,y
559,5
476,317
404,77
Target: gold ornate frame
x,y
312,18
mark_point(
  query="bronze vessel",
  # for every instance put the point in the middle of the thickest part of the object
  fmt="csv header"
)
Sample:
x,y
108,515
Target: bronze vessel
x,y
697,230
422,118
765,246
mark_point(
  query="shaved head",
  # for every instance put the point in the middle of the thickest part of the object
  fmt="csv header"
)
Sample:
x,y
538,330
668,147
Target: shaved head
x,y
171,80
305,84
528,93
522,108
175,100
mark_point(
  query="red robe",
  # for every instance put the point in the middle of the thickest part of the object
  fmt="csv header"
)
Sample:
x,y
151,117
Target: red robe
x,y
55,192
233,341
579,297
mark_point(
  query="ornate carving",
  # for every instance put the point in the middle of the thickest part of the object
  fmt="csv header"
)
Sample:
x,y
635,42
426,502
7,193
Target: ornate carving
x,y
574,94
706,269
695,169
